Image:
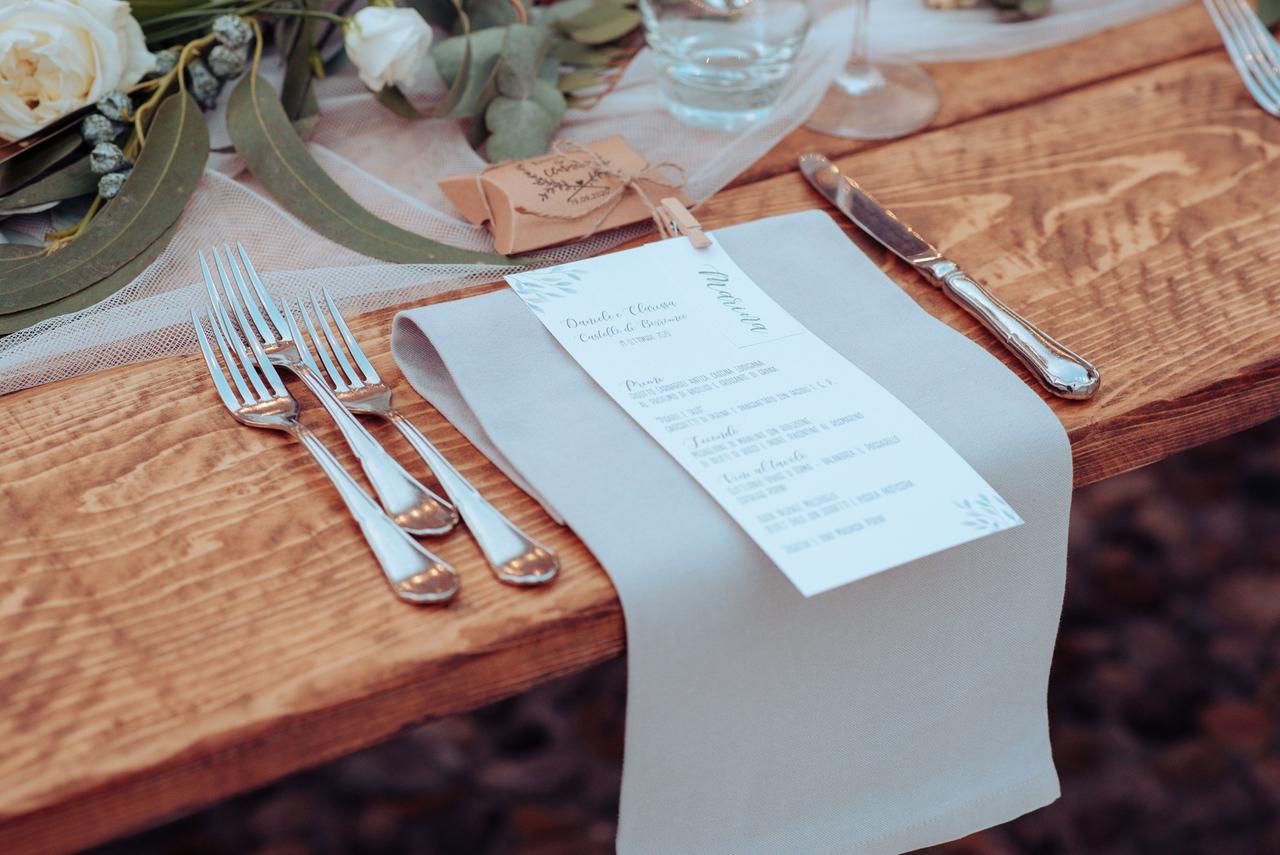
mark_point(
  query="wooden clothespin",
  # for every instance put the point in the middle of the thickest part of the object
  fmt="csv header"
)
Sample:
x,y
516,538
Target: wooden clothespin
x,y
681,221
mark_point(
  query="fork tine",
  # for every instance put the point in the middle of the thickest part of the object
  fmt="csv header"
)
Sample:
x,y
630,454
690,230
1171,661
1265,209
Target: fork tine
x,y
273,312
224,330
229,399
303,350
221,333
268,335
338,350
255,345
1262,84
1264,47
370,374
334,377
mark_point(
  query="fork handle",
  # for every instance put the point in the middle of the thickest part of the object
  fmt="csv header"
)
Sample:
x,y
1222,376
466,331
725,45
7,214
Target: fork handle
x,y
413,506
515,557
413,572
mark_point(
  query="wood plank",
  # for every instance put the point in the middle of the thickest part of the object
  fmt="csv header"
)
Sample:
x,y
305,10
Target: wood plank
x,y
972,89
174,633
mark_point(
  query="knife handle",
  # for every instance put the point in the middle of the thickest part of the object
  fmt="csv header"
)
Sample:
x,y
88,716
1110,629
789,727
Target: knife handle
x,y
1060,371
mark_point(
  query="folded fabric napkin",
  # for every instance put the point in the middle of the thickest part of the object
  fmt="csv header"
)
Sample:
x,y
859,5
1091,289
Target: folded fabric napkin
x,y
896,712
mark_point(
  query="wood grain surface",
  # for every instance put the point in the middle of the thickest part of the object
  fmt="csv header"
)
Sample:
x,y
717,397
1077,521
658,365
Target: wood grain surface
x,y
187,612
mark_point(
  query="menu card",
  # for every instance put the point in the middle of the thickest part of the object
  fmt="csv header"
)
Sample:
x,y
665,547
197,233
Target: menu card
x,y
832,476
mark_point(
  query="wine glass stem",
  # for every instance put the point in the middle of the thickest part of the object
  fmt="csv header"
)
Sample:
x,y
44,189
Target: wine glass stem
x,y
859,54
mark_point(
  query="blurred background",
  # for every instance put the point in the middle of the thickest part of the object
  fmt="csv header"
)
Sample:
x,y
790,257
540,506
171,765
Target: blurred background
x,y
1163,703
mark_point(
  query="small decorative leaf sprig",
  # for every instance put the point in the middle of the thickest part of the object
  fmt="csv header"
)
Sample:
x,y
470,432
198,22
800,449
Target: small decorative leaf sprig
x,y
540,286
987,513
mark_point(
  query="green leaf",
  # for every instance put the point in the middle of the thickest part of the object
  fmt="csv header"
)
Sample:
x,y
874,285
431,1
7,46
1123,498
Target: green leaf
x,y
260,131
572,53
449,107
490,13
1269,12
479,52
521,127
297,71
611,29
164,177
74,179
95,293
522,54
394,100
27,166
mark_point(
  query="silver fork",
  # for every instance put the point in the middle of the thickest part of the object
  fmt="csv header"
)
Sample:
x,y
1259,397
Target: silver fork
x,y
414,507
514,556
1252,48
414,573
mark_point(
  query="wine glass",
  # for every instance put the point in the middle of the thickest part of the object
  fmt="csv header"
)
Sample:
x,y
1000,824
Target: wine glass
x,y
873,100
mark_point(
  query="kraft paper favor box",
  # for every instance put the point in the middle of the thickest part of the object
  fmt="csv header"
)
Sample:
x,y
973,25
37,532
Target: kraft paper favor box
x,y
560,196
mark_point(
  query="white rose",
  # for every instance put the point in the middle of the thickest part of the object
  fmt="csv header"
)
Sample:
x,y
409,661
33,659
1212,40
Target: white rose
x,y
387,45
58,55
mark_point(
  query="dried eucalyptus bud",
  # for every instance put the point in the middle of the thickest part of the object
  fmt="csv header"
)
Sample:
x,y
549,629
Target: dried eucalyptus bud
x,y
107,157
97,128
204,86
115,105
232,31
227,62
166,61
109,185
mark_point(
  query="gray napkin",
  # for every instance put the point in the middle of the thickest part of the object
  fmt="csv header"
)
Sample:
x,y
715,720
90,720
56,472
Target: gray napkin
x,y
896,712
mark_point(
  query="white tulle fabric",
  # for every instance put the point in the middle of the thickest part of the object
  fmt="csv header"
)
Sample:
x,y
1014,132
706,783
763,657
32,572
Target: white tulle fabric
x,y
391,166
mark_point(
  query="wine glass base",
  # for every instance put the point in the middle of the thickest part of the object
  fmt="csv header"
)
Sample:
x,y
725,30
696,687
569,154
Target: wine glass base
x,y
877,100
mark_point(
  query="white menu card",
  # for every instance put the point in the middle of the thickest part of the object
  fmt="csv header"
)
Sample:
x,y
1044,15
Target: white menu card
x,y
832,476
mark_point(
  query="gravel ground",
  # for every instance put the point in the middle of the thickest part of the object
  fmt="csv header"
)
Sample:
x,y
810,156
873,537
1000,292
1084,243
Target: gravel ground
x,y
1164,703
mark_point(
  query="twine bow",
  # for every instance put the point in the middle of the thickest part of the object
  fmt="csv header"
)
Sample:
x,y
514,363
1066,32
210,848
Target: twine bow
x,y
621,181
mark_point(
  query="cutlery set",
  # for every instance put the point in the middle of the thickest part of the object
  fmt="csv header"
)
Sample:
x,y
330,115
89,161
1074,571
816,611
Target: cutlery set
x,y
255,336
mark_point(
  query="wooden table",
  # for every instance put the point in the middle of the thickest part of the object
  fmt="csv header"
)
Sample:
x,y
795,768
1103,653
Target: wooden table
x,y
171,632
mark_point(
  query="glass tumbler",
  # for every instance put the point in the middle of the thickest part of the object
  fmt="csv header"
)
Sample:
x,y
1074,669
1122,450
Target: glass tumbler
x,y
722,63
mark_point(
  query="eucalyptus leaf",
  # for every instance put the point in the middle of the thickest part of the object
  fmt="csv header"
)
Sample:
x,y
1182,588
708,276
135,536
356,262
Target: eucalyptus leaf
x,y
74,179
260,131
521,128
441,13
491,13
162,181
479,51
297,71
23,168
610,30
600,13
394,100
580,79
522,53
571,53
1269,12
450,106
565,10
95,293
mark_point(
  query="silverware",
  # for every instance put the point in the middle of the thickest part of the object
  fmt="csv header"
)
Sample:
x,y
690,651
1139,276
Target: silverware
x,y
1060,371
414,507
515,557
414,573
1253,50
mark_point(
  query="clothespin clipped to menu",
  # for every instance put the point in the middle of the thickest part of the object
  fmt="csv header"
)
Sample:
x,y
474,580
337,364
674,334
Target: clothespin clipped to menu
x,y
678,220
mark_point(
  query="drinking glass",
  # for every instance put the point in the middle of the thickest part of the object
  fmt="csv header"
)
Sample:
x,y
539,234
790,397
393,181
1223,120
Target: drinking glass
x,y
875,99
722,63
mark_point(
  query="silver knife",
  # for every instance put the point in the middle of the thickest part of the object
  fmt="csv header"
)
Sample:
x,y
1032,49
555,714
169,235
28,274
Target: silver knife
x,y
1061,371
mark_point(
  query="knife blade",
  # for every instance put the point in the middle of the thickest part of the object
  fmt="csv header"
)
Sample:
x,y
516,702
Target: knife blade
x,y
1058,369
